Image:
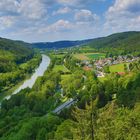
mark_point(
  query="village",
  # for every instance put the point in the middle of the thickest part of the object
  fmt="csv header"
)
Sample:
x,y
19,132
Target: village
x,y
98,65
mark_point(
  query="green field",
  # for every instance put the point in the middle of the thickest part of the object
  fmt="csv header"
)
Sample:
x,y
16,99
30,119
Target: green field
x,y
59,55
96,55
89,56
81,56
65,76
87,49
60,68
117,67
102,79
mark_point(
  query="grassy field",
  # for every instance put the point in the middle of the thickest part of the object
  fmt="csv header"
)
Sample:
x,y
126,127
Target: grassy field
x,y
87,49
60,68
89,56
117,67
102,79
65,76
81,56
59,55
96,55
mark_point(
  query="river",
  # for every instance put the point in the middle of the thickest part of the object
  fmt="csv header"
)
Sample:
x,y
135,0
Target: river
x,y
38,72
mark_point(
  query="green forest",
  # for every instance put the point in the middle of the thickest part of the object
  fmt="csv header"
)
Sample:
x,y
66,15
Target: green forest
x,y
104,107
17,61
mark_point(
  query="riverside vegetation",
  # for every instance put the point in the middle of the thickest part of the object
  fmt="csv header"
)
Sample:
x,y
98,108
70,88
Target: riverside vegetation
x,y
17,61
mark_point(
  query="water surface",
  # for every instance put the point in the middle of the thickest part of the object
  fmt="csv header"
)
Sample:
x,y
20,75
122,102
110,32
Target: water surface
x,y
38,72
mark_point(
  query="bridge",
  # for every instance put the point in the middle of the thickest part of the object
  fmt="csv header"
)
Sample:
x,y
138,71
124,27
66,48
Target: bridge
x,y
67,104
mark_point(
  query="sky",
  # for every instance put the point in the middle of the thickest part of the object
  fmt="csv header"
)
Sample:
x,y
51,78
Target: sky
x,y
53,20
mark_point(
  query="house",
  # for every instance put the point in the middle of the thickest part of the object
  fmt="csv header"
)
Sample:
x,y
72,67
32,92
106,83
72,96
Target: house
x,y
100,74
86,68
90,65
86,62
121,73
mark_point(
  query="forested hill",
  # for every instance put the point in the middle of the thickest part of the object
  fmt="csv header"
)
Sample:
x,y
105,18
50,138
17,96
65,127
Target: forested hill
x,y
59,44
14,50
129,41
12,53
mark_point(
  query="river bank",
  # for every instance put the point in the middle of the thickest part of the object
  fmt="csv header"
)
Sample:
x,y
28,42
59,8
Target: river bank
x,y
30,82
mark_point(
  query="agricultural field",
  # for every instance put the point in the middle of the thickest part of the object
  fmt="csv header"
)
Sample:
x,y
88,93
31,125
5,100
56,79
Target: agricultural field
x,y
89,56
117,67
58,55
87,49
102,79
81,56
65,76
60,68
96,55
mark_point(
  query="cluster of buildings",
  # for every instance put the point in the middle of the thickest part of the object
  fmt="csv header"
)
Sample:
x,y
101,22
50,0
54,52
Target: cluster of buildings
x,y
113,61
99,64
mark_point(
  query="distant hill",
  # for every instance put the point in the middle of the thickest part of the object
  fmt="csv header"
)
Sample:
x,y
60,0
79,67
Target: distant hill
x,y
59,44
12,53
126,40
18,49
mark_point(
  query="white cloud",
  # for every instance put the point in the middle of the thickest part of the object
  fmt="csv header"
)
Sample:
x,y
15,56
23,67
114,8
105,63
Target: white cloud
x,y
123,15
32,9
85,16
68,2
77,3
6,22
8,7
60,25
64,10
21,14
125,5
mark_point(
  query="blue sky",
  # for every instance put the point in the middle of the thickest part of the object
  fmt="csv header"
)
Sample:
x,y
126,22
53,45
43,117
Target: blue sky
x,y
52,20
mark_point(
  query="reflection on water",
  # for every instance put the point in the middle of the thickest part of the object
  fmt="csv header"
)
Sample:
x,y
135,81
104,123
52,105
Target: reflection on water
x,y
38,72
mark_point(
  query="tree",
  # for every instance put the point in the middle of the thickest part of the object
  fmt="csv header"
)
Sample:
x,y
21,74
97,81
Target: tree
x,y
125,67
106,69
64,130
85,122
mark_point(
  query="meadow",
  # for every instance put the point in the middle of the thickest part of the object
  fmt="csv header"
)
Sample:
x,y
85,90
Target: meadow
x,y
89,56
118,67
65,76
58,55
96,55
60,68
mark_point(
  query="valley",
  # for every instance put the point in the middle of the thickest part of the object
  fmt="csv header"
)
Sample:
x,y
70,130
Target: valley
x,y
69,69
72,91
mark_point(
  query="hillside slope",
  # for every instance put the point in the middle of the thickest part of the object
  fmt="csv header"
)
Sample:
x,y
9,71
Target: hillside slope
x,y
59,44
13,52
128,41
